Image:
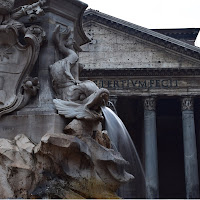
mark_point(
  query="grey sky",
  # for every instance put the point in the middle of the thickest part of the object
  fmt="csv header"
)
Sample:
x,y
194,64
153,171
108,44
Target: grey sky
x,y
153,13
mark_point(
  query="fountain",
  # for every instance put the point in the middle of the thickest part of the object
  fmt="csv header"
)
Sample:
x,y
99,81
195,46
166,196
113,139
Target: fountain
x,y
79,161
122,142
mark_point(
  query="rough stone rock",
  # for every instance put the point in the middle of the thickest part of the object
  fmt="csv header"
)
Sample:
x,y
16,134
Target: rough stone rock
x,y
85,166
60,166
16,167
81,128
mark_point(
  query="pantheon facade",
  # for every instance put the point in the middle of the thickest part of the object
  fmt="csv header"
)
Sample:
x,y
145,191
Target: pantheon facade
x,y
154,81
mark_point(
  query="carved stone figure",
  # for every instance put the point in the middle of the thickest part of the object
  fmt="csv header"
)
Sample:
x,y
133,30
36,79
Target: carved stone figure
x,y
76,163
98,172
75,98
65,44
17,60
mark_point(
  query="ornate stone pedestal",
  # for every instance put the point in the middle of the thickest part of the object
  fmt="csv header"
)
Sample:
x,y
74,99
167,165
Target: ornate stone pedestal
x,y
47,155
40,116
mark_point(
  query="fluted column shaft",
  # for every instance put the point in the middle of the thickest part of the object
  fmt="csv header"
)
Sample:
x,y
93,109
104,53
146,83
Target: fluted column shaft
x,y
151,160
190,150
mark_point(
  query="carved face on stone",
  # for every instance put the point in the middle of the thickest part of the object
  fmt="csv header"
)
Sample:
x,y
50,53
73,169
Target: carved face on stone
x,y
85,102
6,6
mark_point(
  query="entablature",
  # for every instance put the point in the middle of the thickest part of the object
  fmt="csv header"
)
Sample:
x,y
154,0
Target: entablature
x,y
147,82
140,72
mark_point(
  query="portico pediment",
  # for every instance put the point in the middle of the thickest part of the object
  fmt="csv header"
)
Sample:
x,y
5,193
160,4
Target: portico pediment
x,y
148,35
112,49
142,64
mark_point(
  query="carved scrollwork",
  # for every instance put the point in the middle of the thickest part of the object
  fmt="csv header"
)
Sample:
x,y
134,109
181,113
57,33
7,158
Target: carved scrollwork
x,y
187,103
30,88
16,59
150,103
32,11
38,32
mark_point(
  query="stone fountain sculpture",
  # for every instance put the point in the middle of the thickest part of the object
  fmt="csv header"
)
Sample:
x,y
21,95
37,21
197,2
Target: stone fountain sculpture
x,y
75,163
17,60
76,99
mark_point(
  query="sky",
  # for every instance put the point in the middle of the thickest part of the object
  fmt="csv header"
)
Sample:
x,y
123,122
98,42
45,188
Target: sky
x,y
153,14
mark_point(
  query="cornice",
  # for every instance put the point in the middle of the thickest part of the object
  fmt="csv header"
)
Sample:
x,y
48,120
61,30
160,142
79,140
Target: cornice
x,y
184,33
82,38
72,10
143,33
139,72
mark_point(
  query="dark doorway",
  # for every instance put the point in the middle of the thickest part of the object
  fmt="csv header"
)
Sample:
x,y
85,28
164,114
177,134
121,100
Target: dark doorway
x,y
130,111
197,129
170,149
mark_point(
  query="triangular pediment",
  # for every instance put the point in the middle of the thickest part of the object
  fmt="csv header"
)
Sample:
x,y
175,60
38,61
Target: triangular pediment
x,y
112,49
144,34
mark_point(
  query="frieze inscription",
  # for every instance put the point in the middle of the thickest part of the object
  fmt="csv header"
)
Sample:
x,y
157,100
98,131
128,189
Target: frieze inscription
x,y
6,129
137,84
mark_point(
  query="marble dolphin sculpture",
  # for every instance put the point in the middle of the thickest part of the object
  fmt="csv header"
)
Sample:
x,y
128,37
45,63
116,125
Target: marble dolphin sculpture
x,y
74,98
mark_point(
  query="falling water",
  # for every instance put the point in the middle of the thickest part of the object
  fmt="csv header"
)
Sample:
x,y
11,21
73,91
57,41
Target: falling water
x,y
122,142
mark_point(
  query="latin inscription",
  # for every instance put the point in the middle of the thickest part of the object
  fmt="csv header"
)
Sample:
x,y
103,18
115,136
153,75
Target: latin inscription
x,y
137,84
8,129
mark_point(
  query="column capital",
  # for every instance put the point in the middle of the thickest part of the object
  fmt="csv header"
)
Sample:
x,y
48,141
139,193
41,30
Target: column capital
x,y
187,103
150,103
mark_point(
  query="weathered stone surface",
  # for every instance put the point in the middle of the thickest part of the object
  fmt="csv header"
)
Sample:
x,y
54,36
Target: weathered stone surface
x,y
60,166
190,149
17,167
75,98
86,128
65,13
81,128
31,124
111,48
78,164
151,154
14,52
130,66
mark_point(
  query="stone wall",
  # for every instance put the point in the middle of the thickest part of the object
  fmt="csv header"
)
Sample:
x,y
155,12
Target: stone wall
x,y
111,48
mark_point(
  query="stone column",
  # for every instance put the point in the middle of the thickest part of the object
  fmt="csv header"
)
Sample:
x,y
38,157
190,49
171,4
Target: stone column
x,y
190,151
151,161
